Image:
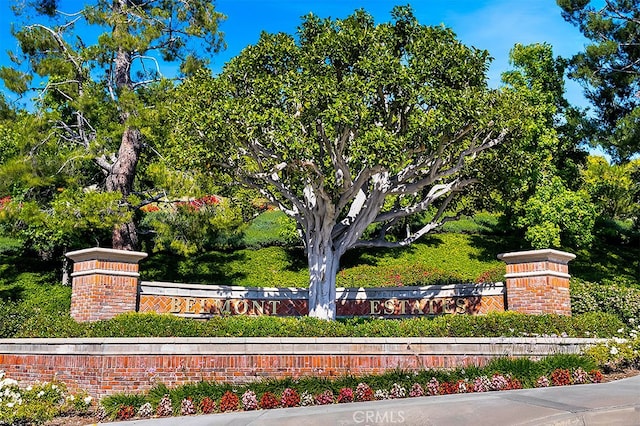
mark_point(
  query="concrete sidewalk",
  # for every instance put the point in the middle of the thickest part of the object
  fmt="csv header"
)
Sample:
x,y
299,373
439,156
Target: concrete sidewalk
x,y
614,403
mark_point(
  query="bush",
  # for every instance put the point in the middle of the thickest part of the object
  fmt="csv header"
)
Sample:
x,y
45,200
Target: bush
x,y
505,324
271,228
116,405
399,275
10,245
12,318
621,300
617,354
268,400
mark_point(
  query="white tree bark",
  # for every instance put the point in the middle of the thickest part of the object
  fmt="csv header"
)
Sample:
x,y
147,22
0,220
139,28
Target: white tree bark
x,y
323,269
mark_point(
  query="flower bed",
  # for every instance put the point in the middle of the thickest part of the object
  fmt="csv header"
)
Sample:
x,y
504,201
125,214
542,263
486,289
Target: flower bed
x,y
249,400
38,403
210,397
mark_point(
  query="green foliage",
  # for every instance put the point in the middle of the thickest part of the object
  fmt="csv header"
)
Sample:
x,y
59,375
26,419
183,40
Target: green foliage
x,y
403,274
444,257
556,216
518,178
612,187
612,297
12,318
187,228
507,324
38,403
271,228
478,223
145,325
608,70
10,245
100,120
73,219
619,353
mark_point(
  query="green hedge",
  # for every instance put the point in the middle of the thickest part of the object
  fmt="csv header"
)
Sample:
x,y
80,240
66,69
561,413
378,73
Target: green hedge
x,y
509,324
616,298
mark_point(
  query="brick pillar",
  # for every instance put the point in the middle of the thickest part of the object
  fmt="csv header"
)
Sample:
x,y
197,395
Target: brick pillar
x,y
537,281
104,283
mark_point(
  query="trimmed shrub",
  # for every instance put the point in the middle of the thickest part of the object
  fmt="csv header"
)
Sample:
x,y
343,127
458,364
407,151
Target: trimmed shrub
x,y
611,297
500,324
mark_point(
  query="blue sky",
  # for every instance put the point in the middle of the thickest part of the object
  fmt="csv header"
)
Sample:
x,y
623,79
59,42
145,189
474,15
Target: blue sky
x,y
494,25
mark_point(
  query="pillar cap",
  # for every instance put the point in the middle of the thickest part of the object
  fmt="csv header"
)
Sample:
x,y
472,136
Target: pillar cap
x,y
537,256
99,253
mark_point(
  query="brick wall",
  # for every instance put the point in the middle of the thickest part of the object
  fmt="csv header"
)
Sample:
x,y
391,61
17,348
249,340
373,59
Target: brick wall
x,y
537,281
110,365
105,283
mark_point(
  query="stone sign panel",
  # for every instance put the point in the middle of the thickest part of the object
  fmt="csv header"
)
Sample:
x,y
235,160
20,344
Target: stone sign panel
x,y
204,301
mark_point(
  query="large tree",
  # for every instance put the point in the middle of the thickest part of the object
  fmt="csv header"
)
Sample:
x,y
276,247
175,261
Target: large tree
x,y
97,75
542,167
609,69
349,127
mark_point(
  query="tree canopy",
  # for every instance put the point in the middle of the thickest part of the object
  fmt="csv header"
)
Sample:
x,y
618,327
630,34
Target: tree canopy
x,y
99,100
609,69
349,127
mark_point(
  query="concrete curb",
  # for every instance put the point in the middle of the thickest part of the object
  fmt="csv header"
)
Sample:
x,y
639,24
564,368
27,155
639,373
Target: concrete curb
x,y
613,403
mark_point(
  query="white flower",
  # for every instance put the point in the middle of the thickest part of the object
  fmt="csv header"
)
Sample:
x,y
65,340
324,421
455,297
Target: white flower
x,y
88,400
40,394
29,388
620,330
613,351
10,404
71,398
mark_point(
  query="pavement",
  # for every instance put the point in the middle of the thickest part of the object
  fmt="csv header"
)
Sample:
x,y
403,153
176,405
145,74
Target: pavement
x,y
613,403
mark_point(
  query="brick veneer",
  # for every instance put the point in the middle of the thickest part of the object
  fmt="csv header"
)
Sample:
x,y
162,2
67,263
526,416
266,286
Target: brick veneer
x,y
105,283
104,366
203,301
537,281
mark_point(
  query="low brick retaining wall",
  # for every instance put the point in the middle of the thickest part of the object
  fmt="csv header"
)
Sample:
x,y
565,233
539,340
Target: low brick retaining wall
x,y
104,366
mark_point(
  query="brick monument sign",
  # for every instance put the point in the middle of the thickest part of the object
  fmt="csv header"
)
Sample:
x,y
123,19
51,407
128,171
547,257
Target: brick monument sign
x,y
106,283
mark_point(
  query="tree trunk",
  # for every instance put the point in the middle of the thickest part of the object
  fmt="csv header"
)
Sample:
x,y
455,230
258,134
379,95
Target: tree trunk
x,y
123,172
323,268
